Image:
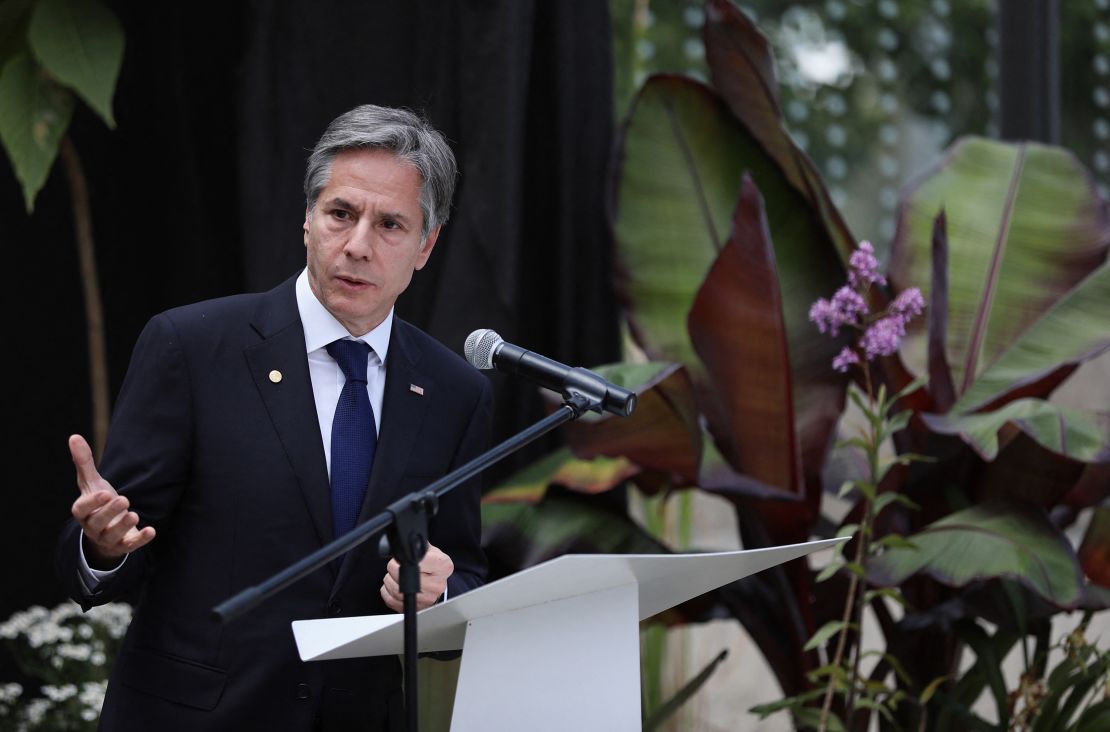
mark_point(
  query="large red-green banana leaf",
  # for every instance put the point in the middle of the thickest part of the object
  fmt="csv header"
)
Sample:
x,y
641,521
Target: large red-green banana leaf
x,y
681,162
1025,225
742,69
985,541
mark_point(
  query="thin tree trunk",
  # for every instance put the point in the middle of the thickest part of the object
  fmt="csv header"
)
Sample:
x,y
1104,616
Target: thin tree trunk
x,y
90,286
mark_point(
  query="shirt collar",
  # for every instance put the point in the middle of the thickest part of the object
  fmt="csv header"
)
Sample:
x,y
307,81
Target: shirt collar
x,y
321,327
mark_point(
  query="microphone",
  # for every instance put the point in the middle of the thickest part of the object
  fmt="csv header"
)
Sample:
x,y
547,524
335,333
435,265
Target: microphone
x,y
485,350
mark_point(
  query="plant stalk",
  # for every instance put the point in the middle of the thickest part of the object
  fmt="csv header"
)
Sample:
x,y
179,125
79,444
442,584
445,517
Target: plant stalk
x,y
90,287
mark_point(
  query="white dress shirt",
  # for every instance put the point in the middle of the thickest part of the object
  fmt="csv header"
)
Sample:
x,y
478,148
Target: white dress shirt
x,y
320,329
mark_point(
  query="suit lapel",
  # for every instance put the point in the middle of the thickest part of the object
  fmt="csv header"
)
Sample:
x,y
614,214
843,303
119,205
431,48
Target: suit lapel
x,y
402,415
279,367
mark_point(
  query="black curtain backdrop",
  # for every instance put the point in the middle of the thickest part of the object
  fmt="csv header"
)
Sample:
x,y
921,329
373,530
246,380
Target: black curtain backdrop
x,y
197,194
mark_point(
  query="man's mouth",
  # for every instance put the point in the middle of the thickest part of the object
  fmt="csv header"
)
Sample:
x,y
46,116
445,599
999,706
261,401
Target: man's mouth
x,y
353,282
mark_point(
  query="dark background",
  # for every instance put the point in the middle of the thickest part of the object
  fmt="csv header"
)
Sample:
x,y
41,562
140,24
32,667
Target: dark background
x,y
197,194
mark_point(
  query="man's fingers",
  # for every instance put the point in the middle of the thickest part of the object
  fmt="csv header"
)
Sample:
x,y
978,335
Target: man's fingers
x,y
88,477
391,586
118,528
98,520
86,503
394,605
138,539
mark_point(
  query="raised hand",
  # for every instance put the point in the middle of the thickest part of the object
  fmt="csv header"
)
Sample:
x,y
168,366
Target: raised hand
x,y
110,528
435,568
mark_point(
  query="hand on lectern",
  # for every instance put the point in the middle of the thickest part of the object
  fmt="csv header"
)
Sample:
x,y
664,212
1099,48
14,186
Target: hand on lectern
x,y
435,568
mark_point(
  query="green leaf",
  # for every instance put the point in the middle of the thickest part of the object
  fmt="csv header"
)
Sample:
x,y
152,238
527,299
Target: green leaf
x,y
987,541
765,710
680,167
80,43
1066,431
1095,718
34,114
890,497
989,662
663,432
742,67
1072,331
14,15
931,689
530,484
667,709
1025,225
519,535
808,717
826,631
828,571
888,592
896,541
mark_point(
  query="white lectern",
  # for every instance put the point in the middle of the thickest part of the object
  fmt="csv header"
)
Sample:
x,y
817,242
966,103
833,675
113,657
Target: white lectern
x,y
556,646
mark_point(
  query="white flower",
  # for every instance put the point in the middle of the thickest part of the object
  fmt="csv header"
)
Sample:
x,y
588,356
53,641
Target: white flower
x,y
77,652
92,694
59,693
36,710
10,692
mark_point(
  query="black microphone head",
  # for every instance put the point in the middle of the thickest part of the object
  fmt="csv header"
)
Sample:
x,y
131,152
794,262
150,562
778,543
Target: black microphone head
x,y
480,347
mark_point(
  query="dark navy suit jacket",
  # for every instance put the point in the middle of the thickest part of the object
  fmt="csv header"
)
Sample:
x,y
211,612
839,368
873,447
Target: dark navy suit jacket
x,y
228,465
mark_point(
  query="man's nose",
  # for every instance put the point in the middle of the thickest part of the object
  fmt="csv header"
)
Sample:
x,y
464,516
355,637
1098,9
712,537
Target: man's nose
x,y
360,244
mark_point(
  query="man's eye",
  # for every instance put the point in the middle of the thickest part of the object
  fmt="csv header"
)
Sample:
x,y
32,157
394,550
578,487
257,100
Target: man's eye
x,y
341,214
390,224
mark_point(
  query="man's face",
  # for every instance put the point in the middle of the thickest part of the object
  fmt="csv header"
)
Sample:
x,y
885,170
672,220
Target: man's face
x,y
363,237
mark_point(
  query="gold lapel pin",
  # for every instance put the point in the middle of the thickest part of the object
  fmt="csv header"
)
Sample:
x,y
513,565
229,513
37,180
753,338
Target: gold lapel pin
x,y
418,390
275,376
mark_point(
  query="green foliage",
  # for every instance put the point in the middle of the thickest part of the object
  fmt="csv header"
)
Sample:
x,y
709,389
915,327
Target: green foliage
x,y
69,653
1024,226
985,541
667,709
79,43
1074,433
49,51
726,234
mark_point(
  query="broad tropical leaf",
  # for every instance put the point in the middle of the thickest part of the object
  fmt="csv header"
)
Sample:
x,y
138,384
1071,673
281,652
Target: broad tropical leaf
x,y
34,114
530,484
1070,432
680,169
662,434
519,535
1075,329
986,541
737,329
742,67
80,43
941,388
1025,225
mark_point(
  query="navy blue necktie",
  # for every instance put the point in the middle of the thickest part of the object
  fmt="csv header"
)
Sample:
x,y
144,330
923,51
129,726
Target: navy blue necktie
x,y
353,436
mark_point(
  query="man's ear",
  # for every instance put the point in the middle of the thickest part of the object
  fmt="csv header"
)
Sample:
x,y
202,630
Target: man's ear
x,y
307,221
426,248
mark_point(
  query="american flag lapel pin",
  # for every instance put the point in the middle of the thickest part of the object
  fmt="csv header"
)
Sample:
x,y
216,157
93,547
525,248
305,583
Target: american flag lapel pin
x,y
418,390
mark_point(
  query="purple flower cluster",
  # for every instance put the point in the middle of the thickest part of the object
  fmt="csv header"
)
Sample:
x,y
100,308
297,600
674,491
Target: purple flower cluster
x,y
846,308
882,332
863,267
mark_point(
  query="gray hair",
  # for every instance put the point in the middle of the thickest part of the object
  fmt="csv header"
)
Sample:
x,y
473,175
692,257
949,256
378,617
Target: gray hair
x,y
405,135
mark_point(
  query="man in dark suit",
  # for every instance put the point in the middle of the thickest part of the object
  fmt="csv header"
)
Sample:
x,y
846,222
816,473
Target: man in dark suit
x,y
245,436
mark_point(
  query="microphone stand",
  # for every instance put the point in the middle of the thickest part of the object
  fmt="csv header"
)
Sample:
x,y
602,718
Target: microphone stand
x,y
407,522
